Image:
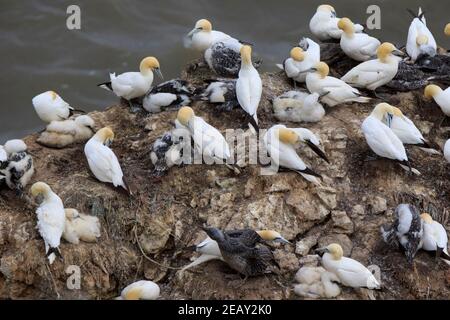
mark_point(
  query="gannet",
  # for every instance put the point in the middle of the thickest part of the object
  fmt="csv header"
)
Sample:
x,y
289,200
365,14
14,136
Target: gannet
x,y
279,142
102,160
49,106
435,237
382,140
375,73
447,151
316,282
131,85
407,230
323,24
358,46
79,226
203,36
3,164
60,134
243,253
220,92
308,137
249,86
420,40
19,167
441,97
174,93
140,290
447,30
168,150
298,106
350,272
51,219
334,91
301,60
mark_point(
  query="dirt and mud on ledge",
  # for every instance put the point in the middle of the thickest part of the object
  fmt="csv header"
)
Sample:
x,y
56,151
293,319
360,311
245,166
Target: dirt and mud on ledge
x,y
144,237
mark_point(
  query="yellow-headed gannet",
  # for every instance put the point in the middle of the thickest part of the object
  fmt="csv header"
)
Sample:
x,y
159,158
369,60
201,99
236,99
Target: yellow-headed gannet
x,y
102,160
173,93
447,30
358,46
249,86
51,219
19,168
382,140
375,73
435,237
298,106
140,290
420,40
406,231
49,106
441,97
333,90
79,226
323,24
203,36
350,272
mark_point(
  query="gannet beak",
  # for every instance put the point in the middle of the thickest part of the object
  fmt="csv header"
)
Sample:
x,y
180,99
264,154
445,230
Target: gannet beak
x,y
389,119
108,142
159,73
333,14
399,53
317,150
193,31
282,240
309,70
321,251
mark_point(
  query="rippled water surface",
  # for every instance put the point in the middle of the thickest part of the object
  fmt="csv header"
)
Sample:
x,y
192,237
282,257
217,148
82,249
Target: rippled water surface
x,y
39,53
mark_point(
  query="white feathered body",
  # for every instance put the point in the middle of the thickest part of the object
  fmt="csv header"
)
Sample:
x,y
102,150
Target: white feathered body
x,y
148,290
405,130
359,46
298,106
51,107
324,26
130,85
416,29
447,151
443,101
249,90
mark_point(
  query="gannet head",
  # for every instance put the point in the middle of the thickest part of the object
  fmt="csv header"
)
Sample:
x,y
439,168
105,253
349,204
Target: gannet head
x,y
385,50
71,214
326,8
105,136
396,111
150,64
447,30
15,146
322,69
185,114
383,108
203,25
133,294
431,91
287,136
85,121
53,94
246,55
421,40
272,235
426,217
40,188
297,54
346,25
334,249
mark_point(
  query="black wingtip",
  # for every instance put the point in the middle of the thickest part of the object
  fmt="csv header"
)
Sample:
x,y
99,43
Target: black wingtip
x,y
254,124
106,84
310,172
317,151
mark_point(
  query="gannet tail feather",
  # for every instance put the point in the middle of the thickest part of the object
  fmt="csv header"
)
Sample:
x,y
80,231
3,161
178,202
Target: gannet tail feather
x,y
106,85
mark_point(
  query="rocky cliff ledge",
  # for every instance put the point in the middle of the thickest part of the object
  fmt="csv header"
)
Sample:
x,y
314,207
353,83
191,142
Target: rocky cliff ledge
x,y
144,237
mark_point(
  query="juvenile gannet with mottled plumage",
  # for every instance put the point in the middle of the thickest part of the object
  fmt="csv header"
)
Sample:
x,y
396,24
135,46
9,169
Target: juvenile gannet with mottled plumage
x,y
140,290
19,167
220,92
406,231
358,46
49,106
51,219
79,226
441,97
323,24
203,36
382,140
350,272
298,106
131,85
420,39
435,237
173,93
333,90
3,163
249,86
102,160
447,151
59,134
375,73
279,142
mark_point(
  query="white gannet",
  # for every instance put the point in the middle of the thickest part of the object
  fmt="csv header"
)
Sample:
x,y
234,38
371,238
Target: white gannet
x,y
298,106
19,167
203,36
60,134
406,231
301,60
51,219
420,39
350,272
220,92
316,282
79,226
447,151
102,160
323,24
208,141
131,85
249,86
375,73
279,142
173,93
447,30
358,46
441,97
3,164
49,106
140,290
382,140
435,237
334,91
